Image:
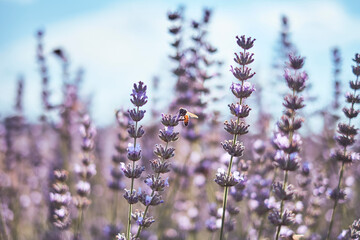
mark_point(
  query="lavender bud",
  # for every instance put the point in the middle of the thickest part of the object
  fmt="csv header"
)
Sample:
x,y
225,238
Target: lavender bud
x,y
236,128
355,85
61,175
169,121
346,129
60,199
235,150
283,194
355,227
357,58
225,180
242,75
162,153
139,97
337,194
283,143
135,134
242,90
160,167
173,16
287,162
134,154
285,126
129,172
244,59
83,188
136,115
240,111
148,200
287,219
87,144
356,70
296,82
156,183
175,30
245,44
131,198
350,113
138,216
211,224
344,140
168,135
293,102
351,98
296,62
60,187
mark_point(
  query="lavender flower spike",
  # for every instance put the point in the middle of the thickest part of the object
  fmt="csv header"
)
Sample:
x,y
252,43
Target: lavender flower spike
x,y
240,111
138,99
346,139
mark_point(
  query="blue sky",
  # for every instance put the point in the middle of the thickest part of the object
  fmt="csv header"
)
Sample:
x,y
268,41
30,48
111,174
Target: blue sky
x,y
120,42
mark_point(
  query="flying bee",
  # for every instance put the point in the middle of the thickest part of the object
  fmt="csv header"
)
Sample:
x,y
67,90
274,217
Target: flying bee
x,y
185,116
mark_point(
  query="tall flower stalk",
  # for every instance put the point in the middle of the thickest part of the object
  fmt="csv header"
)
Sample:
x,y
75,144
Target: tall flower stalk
x,y
160,165
116,183
85,171
133,171
242,90
60,199
288,142
345,139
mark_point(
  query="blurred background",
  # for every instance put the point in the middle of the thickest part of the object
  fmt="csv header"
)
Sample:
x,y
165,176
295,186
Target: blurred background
x,y
117,43
67,66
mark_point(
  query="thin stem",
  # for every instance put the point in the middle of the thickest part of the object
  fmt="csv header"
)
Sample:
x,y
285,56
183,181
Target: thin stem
x,y
291,134
282,205
226,190
223,213
78,225
340,178
128,230
152,194
336,201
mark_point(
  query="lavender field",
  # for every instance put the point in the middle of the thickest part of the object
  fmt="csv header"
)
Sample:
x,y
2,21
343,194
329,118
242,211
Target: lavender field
x,y
180,124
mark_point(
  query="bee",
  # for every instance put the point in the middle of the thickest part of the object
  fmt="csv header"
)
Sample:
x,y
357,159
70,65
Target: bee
x,y
185,116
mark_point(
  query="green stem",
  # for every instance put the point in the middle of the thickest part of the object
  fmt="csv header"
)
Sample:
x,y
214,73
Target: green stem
x,y
291,134
282,205
226,190
77,230
340,178
148,206
336,201
128,230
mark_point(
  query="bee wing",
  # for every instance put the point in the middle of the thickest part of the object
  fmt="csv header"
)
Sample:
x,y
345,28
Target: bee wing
x,y
192,115
298,237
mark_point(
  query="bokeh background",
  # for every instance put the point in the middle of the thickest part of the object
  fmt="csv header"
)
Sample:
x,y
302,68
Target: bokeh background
x,y
120,42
